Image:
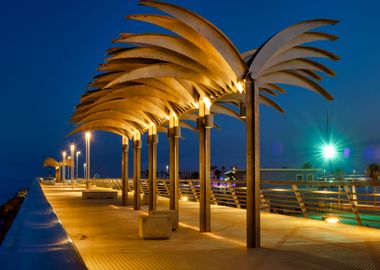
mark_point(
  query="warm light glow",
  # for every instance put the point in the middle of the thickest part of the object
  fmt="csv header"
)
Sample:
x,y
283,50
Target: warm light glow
x,y
332,219
207,102
213,235
152,129
137,136
239,87
88,135
196,105
78,152
185,198
72,147
64,154
329,151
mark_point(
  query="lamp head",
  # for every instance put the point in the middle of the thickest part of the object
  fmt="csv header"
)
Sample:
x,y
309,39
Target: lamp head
x,y
329,151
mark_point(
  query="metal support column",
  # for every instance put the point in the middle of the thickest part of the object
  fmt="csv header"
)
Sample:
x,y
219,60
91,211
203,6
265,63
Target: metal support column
x,y
152,142
124,171
174,134
204,124
253,164
136,173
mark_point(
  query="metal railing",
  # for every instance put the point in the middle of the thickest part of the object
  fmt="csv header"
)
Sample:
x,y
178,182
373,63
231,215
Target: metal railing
x,y
356,202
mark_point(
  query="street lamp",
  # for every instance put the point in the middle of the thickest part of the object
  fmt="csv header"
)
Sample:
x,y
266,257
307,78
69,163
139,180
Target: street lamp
x,y
72,149
329,152
63,164
68,168
78,153
84,170
88,174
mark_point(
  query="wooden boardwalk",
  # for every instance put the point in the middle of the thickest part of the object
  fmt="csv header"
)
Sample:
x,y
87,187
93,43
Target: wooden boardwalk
x,y
106,235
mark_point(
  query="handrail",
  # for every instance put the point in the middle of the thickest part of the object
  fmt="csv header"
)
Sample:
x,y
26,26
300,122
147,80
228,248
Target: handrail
x,y
350,200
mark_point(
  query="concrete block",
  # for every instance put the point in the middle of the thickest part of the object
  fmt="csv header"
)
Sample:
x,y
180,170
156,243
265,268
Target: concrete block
x,y
99,194
172,213
155,227
144,199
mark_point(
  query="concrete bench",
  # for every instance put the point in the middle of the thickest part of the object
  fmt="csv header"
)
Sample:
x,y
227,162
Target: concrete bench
x,y
99,194
172,213
155,227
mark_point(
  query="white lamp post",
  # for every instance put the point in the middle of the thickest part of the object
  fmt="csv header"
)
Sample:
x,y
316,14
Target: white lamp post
x,y
78,153
88,174
72,149
63,165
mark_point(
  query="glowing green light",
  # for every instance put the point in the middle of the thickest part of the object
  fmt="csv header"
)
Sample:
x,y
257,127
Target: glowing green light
x,y
329,151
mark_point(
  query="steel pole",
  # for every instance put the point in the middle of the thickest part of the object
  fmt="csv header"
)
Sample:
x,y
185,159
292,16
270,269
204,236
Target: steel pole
x,y
88,165
253,164
87,181
63,174
72,166
124,171
63,167
136,173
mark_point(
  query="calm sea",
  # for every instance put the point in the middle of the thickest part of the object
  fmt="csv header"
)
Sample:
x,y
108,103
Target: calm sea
x,y
10,186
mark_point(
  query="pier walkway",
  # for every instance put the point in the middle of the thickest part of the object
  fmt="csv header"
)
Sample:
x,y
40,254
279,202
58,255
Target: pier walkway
x,y
106,236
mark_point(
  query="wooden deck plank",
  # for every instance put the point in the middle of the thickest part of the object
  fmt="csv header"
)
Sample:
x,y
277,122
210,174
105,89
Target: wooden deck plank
x,y
106,235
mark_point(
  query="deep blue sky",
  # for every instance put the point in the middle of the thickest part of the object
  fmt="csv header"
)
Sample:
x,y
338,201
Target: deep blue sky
x,y
49,51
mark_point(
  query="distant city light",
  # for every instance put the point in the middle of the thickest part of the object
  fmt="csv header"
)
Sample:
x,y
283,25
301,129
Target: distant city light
x,y
329,151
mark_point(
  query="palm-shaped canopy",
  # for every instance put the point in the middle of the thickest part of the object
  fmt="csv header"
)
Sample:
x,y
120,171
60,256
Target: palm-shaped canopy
x,y
51,162
158,75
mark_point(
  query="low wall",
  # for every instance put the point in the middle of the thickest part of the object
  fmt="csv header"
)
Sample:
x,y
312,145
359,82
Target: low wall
x,y
37,239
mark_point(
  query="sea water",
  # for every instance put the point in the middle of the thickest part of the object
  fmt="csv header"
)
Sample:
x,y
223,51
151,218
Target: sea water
x,y
9,186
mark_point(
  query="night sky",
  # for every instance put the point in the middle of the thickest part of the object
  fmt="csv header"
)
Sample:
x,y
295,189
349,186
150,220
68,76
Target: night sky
x,y
50,50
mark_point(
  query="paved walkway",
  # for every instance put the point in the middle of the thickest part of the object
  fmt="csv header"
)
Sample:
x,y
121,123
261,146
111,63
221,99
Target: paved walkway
x,y
106,236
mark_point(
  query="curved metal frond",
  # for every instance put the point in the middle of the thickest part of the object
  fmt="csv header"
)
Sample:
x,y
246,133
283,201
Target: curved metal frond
x,y
51,162
149,77
284,59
